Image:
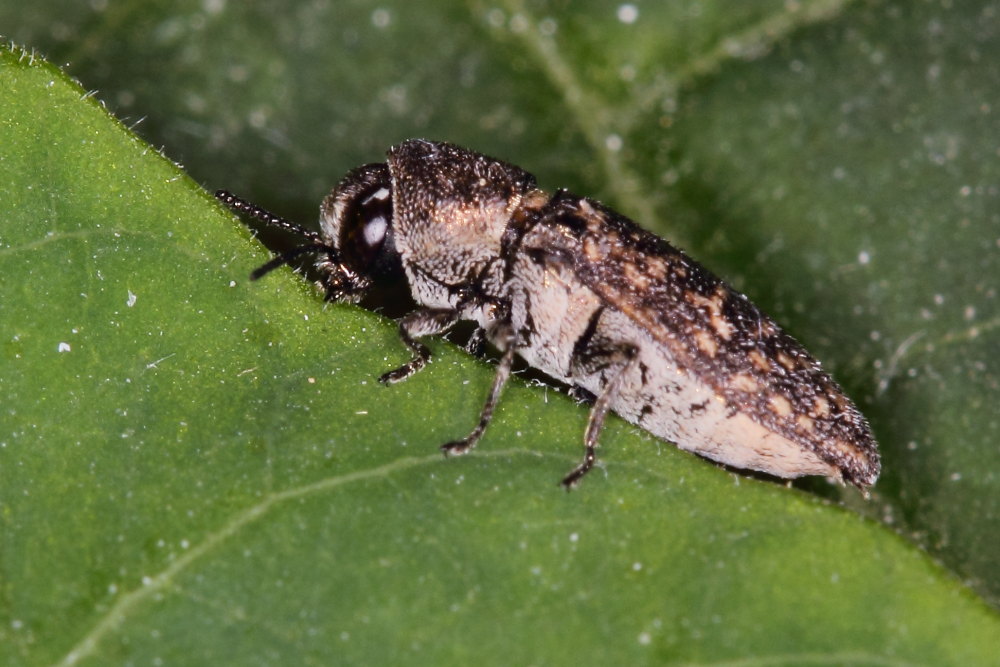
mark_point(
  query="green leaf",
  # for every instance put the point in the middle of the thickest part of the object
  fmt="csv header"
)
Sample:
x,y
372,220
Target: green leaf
x,y
194,469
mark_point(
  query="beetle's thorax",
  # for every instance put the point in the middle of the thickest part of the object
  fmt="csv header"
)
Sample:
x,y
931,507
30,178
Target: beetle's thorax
x,y
450,215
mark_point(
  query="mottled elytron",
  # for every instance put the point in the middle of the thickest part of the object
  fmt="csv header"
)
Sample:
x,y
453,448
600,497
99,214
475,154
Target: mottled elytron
x,y
586,296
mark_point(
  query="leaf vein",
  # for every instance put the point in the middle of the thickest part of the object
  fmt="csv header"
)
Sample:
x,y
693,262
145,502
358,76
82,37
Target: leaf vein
x,y
152,585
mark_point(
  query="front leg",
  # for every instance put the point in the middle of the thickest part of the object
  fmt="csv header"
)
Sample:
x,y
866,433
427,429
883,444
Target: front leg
x,y
419,323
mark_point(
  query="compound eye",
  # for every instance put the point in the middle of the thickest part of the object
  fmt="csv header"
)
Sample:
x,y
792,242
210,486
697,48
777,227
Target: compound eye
x,y
374,211
368,228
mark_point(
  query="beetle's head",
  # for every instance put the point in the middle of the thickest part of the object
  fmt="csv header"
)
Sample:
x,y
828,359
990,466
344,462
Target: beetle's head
x,y
356,220
355,247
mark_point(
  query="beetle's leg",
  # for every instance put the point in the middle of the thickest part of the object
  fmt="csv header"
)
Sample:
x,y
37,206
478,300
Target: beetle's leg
x,y
476,342
618,361
506,340
419,323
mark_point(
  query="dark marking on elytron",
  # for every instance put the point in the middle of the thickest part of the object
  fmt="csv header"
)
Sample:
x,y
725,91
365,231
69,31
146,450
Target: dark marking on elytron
x,y
647,410
649,332
698,407
582,345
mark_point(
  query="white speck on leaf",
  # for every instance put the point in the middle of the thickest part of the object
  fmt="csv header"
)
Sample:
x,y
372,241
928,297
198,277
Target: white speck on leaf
x,y
381,18
213,6
627,13
495,18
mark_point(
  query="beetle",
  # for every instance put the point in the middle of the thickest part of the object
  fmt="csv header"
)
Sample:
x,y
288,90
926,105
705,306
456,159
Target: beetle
x,y
587,297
